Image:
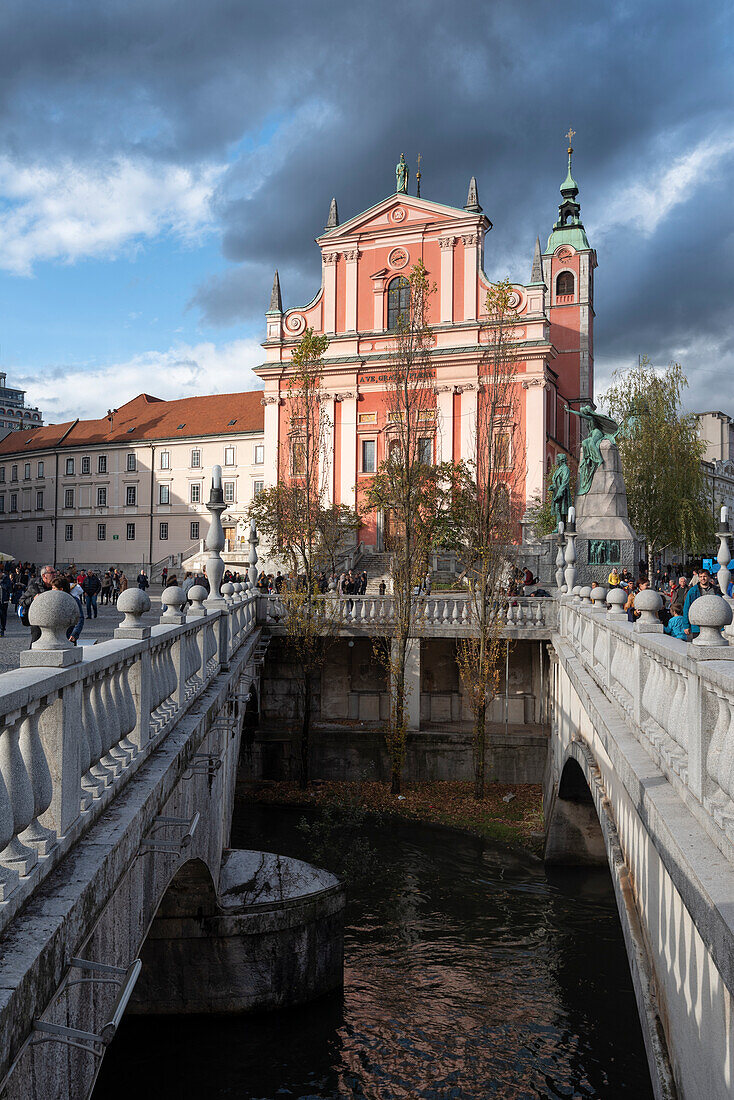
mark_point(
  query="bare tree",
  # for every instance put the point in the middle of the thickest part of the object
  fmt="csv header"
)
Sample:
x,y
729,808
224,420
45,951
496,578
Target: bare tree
x,y
486,506
411,490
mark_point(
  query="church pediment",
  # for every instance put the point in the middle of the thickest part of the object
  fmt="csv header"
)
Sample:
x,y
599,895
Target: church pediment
x,y
398,212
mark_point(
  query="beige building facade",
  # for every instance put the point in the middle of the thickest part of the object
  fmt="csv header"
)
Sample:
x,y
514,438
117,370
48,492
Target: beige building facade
x,y
131,488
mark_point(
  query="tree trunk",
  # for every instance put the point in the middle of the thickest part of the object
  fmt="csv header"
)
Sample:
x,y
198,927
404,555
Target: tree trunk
x,y
305,731
480,751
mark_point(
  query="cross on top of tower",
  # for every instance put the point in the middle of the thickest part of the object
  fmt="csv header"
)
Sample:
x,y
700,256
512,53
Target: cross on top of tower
x,y
570,135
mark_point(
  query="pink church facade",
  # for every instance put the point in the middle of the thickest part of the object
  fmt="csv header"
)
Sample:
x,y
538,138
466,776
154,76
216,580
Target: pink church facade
x,y
362,263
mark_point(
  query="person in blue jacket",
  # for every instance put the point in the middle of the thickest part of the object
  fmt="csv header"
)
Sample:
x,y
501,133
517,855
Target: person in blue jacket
x,y
703,587
675,623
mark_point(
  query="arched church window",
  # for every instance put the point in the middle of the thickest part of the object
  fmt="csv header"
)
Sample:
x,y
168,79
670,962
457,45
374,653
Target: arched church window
x,y
398,301
564,283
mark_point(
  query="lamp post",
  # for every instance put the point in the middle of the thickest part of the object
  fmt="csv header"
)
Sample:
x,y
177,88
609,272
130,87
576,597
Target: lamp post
x,y
570,556
724,558
215,541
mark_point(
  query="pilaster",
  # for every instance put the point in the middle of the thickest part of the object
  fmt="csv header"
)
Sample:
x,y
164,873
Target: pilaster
x,y
329,260
445,425
348,472
447,278
471,244
350,319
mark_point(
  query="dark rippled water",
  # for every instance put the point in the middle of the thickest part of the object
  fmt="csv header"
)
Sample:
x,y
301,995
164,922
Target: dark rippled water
x,y
470,972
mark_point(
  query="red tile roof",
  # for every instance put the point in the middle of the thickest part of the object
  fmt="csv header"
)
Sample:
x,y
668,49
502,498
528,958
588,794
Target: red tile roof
x,y
148,418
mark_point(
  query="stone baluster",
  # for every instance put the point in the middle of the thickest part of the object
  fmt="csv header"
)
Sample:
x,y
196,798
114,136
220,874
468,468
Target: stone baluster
x,y
724,559
31,749
60,722
8,875
106,729
174,598
98,777
197,595
215,540
253,541
17,855
126,703
560,557
113,721
570,554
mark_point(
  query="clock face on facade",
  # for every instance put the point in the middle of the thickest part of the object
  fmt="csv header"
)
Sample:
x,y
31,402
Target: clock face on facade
x,y
398,258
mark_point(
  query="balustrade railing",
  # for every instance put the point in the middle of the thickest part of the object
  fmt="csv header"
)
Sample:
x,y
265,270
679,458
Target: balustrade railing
x,y
449,612
78,722
677,696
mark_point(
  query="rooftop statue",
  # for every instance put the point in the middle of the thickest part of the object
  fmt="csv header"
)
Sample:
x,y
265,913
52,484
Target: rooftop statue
x,y
401,176
561,489
600,427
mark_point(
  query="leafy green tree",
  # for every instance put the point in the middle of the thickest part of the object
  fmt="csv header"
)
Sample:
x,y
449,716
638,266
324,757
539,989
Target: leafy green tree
x,y
661,457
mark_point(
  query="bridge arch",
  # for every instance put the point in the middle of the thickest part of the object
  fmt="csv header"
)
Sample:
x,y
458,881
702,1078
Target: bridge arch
x,y
575,831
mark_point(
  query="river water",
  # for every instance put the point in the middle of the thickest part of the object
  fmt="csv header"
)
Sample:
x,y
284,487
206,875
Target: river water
x,y
470,972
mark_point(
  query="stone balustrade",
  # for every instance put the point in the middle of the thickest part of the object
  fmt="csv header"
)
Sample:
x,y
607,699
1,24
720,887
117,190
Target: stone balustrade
x,y
78,722
677,696
451,614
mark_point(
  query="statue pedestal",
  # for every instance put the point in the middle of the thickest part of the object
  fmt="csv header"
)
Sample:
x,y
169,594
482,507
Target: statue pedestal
x,y
605,535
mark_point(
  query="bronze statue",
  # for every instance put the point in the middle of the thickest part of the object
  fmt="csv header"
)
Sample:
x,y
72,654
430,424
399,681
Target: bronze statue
x,y
600,427
401,176
561,489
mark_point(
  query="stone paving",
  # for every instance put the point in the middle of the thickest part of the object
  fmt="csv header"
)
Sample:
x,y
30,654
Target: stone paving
x,y
101,629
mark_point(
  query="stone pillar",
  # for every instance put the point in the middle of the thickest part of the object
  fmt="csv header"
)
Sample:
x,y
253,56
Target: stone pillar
x,y
413,683
326,455
348,472
378,290
471,266
445,423
535,437
215,541
447,278
468,422
330,292
350,314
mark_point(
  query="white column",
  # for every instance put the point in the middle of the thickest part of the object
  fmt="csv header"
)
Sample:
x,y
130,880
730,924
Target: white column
x,y
348,473
445,424
470,276
535,435
270,468
469,423
330,292
326,457
378,321
351,290
447,277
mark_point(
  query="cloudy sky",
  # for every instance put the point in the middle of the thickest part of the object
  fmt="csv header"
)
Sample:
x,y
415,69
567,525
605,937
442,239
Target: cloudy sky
x,y
159,158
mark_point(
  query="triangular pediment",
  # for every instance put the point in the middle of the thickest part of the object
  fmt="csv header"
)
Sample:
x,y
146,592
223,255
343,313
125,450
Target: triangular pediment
x,y
394,213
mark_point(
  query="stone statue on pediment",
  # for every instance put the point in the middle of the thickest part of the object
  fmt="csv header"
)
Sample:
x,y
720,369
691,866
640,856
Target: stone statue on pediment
x,y
401,176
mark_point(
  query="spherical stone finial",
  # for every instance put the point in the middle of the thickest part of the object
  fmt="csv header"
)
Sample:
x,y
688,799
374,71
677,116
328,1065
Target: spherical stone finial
x,y
616,599
599,597
197,595
237,587
710,613
648,603
227,590
134,603
576,593
54,613
585,595
174,598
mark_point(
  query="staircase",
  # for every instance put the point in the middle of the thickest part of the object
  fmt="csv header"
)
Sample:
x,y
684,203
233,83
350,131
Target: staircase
x,y
377,568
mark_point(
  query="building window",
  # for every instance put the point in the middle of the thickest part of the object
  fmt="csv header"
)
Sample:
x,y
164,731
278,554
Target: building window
x,y
27,470
195,492
102,464
101,532
68,498
13,502
229,456
163,532
131,495
70,466
40,471
502,450
564,283
257,488
164,494
131,464
368,456
196,458
39,533
259,454
130,532
2,503
425,451
298,457
165,460
39,502
229,492
13,473
102,497
398,302
2,474
195,530
69,533
86,464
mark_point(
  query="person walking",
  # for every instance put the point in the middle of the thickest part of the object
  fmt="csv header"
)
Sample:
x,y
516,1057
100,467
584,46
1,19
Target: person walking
x,y
91,588
164,576
142,580
123,582
106,593
6,592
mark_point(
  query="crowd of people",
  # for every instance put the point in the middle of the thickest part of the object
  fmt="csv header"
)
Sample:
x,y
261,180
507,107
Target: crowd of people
x,y
678,588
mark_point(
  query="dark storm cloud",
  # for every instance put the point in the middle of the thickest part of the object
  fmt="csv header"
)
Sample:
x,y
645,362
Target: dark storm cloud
x,y
309,100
